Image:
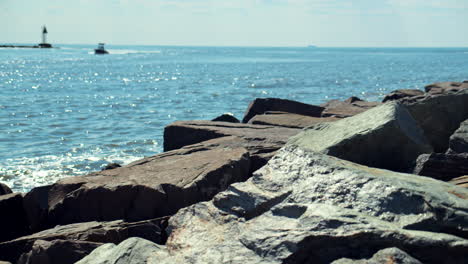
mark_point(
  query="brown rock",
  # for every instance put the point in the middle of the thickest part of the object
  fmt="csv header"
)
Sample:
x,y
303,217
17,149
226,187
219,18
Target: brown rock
x,y
460,181
228,117
96,232
36,205
442,166
261,105
288,120
13,220
349,107
152,187
4,189
459,140
402,93
444,87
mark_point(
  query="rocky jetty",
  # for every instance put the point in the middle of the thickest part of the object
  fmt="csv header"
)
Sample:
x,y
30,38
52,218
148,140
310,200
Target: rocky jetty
x,y
292,183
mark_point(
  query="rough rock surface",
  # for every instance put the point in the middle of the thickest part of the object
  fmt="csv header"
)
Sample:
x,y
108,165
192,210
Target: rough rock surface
x,y
402,93
152,187
36,205
444,87
460,181
384,256
442,166
439,116
459,140
261,105
306,207
13,220
349,107
383,137
96,232
288,120
4,189
228,117
57,252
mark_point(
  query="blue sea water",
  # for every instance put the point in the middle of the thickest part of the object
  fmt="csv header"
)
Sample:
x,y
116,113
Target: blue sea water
x,y
67,112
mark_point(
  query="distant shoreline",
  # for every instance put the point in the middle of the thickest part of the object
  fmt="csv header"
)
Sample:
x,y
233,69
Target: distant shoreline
x,y
40,46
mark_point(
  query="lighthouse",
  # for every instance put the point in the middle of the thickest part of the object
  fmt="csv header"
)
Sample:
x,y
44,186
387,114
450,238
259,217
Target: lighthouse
x,y
44,43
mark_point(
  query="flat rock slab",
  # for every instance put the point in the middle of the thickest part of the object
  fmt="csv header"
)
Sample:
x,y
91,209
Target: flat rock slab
x,y
442,166
306,207
347,108
13,219
439,115
444,87
459,140
261,105
289,120
149,188
95,232
402,93
384,137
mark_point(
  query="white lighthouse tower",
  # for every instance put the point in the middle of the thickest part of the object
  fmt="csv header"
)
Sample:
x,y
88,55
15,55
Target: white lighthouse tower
x,y
44,43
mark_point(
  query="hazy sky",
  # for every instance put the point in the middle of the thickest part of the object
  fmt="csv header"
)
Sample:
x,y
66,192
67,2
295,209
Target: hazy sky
x,y
417,23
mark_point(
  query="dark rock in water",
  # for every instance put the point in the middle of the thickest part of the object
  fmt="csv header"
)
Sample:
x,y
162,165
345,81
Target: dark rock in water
x,y
111,166
460,181
4,189
306,207
76,235
402,93
459,140
349,107
384,256
439,115
13,220
445,87
261,105
288,120
383,137
184,133
228,117
442,166
152,187
57,251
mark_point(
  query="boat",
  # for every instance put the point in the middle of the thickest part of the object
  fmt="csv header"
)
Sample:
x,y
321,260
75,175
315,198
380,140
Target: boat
x,y
100,49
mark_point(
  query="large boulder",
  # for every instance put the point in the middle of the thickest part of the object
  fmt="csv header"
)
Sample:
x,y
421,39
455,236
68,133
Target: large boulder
x,y
442,166
402,93
4,189
383,137
13,220
459,140
36,205
444,87
77,235
306,207
283,119
261,105
349,107
152,187
439,115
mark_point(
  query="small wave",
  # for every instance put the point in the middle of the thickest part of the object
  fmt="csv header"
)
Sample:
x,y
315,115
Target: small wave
x,y
123,51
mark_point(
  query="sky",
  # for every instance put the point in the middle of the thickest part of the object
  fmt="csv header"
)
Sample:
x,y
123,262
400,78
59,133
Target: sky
x,y
327,23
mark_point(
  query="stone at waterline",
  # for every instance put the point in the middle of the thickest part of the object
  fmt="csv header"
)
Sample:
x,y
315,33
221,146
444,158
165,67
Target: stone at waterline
x,y
384,137
459,140
349,107
442,166
261,105
445,87
111,166
306,207
288,120
4,189
402,93
227,117
13,220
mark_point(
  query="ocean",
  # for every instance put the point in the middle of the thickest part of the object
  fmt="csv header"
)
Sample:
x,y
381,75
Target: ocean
x,y
66,111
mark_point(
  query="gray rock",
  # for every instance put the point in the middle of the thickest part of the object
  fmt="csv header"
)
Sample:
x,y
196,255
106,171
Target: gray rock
x,y
387,256
288,120
73,234
131,251
459,140
306,207
57,251
349,107
402,93
460,181
261,105
227,117
439,115
13,220
442,166
445,87
36,205
4,189
170,180
384,137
